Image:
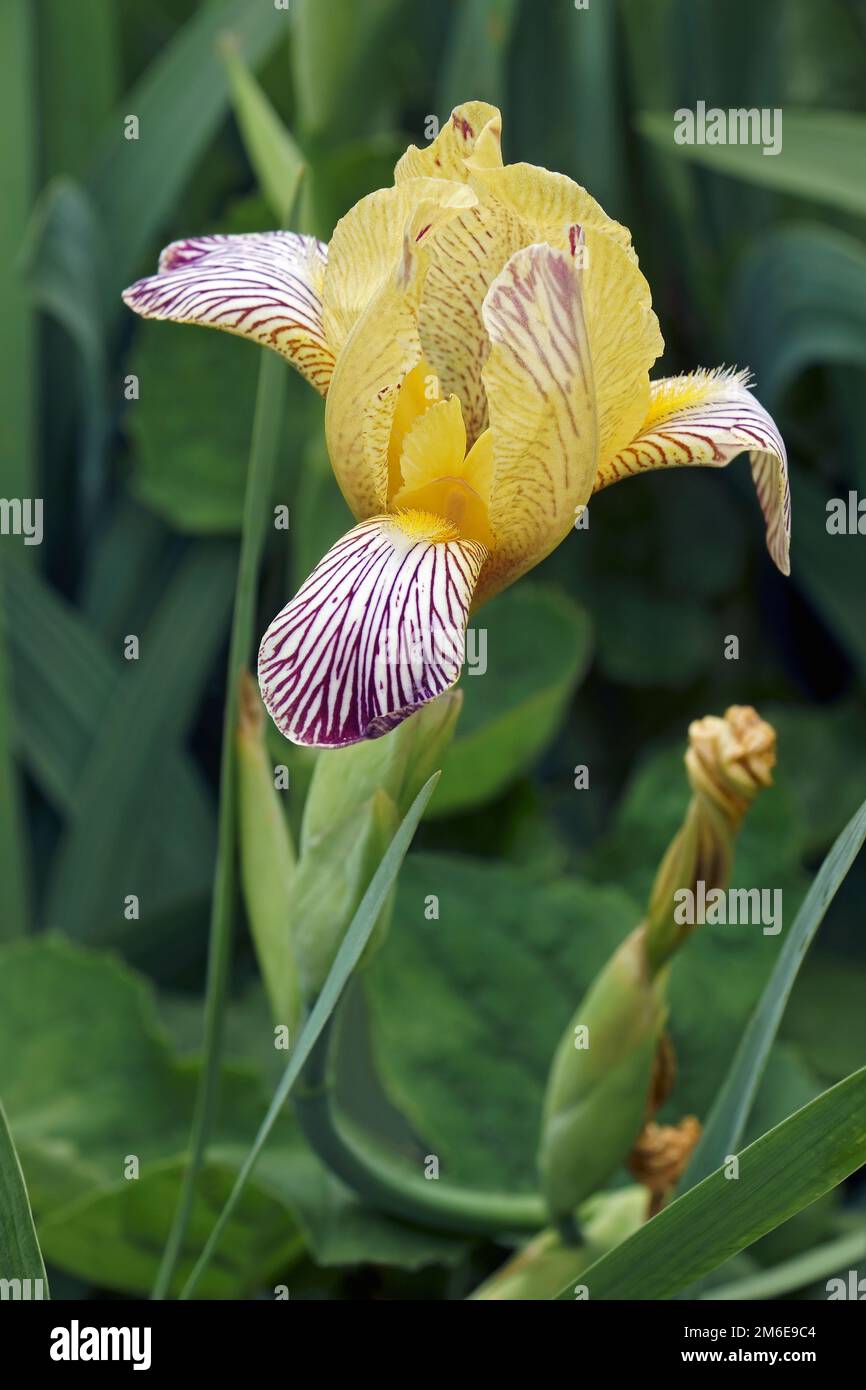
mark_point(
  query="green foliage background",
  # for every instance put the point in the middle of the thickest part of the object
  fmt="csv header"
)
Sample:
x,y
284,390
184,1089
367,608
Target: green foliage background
x,y
108,768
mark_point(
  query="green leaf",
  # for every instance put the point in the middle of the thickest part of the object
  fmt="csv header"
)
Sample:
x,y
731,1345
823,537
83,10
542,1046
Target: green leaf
x,y
724,1127
14,919
475,61
536,644
646,639
179,102
79,1034
64,258
276,159
150,713
79,74
20,1256
823,155
442,997
779,1175
350,952
64,681
799,299
834,1039
18,124
338,50
829,567
844,1253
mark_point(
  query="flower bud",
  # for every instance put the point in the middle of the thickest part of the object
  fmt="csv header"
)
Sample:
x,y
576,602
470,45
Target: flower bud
x,y
600,1095
601,1073
728,761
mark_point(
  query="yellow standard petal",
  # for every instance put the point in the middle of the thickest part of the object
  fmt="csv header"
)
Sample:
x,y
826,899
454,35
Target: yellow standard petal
x,y
473,130
539,381
623,331
383,344
707,418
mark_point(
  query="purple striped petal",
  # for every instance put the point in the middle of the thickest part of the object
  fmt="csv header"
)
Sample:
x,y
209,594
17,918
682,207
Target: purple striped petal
x,y
375,632
266,286
708,418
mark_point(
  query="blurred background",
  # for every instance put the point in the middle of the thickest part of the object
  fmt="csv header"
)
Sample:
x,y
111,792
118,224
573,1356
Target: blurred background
x,y
136,436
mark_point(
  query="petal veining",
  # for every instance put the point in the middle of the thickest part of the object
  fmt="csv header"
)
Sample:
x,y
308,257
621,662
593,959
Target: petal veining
x,y
376,631
266,286
708,418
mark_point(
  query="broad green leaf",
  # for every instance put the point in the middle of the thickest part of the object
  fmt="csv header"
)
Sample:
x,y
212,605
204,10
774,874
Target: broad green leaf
x,y
526,654
79,1034
179,103
276,159
441,996
823,155
351,949
150,713
785,1170
799,300
20,1256
646,639
724,1127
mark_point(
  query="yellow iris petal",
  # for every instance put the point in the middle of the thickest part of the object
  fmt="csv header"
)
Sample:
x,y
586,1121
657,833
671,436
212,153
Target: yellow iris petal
x,y
473,129
383,344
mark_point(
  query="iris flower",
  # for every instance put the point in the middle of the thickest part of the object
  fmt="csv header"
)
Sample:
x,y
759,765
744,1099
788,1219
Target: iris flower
x,y
483,337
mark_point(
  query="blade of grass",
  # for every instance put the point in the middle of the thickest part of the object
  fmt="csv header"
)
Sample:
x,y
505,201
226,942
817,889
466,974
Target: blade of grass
x,y
797,1273
730,1112
267,427
785,1170
20,1256
351,949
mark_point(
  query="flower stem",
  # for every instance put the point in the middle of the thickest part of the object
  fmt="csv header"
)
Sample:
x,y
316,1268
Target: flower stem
x,y
388,1183
270,400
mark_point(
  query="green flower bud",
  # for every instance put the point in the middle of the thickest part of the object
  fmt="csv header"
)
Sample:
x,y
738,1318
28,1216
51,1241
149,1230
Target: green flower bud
x,y
597,1090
